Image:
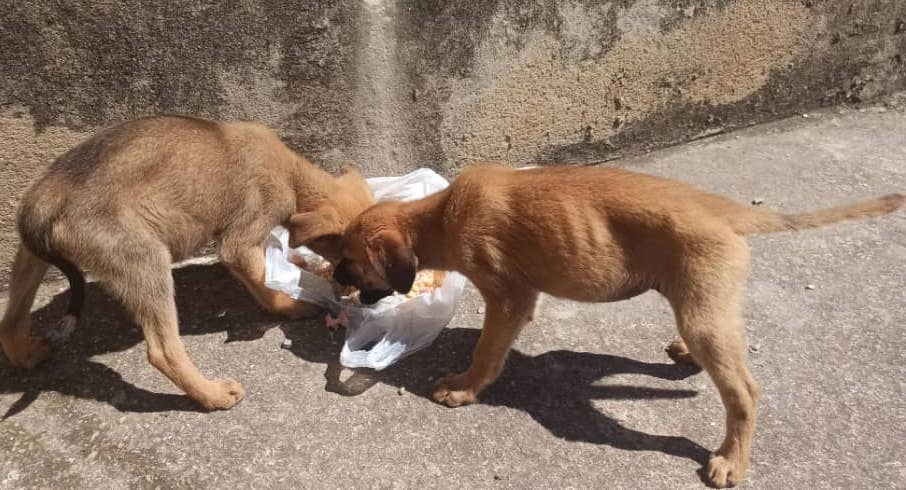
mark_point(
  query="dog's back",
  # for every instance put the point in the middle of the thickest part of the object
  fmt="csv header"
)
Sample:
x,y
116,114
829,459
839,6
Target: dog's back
x,y
643,200
568,230
178,176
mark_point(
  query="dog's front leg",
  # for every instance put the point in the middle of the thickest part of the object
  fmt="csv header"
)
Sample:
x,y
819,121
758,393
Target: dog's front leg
x,y
503,321
247,263
145,287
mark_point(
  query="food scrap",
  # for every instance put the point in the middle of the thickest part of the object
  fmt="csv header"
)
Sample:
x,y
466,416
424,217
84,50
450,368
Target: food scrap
x,y
426,281
333,323
324,270
299,261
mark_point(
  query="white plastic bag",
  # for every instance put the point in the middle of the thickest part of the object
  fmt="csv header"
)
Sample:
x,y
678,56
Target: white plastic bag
x,y
394,327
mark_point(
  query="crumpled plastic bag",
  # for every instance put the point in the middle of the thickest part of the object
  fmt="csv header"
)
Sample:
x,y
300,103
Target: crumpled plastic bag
x,y
378,335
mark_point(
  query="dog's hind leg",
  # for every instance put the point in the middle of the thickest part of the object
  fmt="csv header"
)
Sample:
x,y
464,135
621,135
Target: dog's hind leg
x,y
140,278
503,321
721,354
707,308
21,348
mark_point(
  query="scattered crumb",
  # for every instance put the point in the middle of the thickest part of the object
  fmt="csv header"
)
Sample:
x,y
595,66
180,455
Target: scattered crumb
x,y
333,323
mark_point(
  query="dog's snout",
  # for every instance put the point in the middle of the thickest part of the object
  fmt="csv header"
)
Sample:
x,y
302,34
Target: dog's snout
x,y
372,297
341,274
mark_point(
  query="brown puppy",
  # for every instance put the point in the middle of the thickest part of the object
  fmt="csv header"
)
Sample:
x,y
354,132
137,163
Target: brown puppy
x,y
136,197
587,234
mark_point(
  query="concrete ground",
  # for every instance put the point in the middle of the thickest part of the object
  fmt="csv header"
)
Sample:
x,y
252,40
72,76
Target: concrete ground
x,y
588,398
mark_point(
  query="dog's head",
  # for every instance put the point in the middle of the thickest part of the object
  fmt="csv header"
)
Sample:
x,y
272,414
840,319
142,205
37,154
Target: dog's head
x,y
378,258
321,229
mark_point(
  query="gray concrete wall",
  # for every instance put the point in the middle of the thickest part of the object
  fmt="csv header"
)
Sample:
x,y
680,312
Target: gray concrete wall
x,y
393,85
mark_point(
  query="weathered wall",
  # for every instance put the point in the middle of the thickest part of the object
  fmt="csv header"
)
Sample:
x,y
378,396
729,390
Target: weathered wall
x,y
392,85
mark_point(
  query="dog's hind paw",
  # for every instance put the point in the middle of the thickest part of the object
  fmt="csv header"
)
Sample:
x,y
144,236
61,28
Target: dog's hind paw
x,y
724,472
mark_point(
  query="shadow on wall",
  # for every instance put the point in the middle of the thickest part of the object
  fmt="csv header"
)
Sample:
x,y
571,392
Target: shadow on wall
x,y
556,388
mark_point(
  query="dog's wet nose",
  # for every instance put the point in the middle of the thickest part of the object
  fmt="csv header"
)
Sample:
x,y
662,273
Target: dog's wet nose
x,y
372,297
341,274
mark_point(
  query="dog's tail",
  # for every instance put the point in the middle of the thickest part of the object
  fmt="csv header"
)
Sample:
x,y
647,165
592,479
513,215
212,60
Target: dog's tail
x,y
37,247
746,220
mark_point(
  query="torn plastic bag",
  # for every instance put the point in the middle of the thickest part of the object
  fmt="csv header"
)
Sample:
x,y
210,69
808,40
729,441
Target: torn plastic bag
x,y
378,335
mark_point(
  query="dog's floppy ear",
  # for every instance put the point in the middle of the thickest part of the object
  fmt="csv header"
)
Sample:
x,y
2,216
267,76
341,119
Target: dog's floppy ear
x,y
393,258
322,224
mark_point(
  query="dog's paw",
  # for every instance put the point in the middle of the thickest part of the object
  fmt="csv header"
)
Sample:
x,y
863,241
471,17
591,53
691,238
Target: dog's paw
x,y
223,395
26,352
455,391
679,352
724,472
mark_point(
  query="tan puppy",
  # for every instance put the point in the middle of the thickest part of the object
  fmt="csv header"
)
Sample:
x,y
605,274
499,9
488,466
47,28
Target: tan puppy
x,y
587,234
136,197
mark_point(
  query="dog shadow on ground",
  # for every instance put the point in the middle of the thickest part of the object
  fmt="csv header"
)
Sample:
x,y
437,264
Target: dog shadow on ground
x,y
209,300
557,389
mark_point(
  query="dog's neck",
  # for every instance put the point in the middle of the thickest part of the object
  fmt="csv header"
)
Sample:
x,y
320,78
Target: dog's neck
x,y
311,184
424,220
